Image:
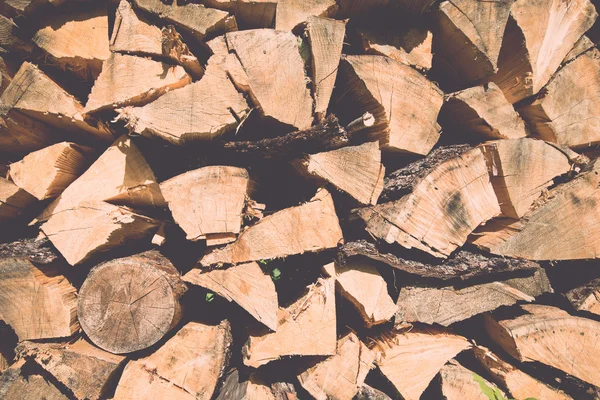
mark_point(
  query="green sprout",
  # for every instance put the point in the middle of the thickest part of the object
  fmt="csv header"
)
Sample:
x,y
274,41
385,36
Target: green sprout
x,y
210,296
276,274
492,393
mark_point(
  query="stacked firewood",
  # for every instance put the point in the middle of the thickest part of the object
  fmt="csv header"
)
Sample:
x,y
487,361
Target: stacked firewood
x,y
294,199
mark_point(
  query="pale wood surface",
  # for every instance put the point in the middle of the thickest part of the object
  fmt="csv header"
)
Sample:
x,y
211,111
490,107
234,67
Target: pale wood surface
x,y
290,13
458,383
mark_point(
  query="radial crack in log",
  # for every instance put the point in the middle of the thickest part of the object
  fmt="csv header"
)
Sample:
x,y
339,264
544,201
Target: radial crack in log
x,y
583,44
586,297
459,383
291,13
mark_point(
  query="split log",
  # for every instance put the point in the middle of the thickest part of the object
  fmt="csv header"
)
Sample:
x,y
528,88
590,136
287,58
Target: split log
x,y
326,37
519,384
342,375
568,212
276,236
566,111
404,103
306,328
459,383
262,52
535,43
362,285
291,13
586,297
229,62
84,369
482,111
146,80
9,39
137,381
21,134
355,170
14,384
207,203
245,284
128,304
249,14
38,303
249,389
14,201
448,305
455,198
550,336
46,173
583,44
410,360
366,392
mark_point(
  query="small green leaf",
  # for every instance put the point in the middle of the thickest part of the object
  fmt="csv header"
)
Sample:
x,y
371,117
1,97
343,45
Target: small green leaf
x,y
263,262
491,393
276,274
210,296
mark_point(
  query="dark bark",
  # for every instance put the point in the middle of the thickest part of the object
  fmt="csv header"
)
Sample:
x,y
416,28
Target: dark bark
x,y
39,251
578,295
284,391
366,392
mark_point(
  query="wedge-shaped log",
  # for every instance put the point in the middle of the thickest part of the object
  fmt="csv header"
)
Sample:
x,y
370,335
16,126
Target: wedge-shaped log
x,y
84,369
443,209
249,14
459,383
245,284
291,13
342,375
146,80
14,201
208,202
128,304
250,389
448,305
306,328
569,212
37,302
483,112
355,170
586,297
404,103
535,43
361,284
410,360
46,173
277,235
14,384
550,336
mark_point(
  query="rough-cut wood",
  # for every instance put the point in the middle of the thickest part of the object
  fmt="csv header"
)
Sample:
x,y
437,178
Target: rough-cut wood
x,y
136,382
551,336
410,360
583,44
460,383
306,328
404,103
14,385
362,285
245,284
586,297
355,170
84,369
519,384
76,41
566,112
568,212
8,36
277,235
340,376
130,303
207,203
249,14
291,12
6,73
326,37
46,173
538,36
443,209
482,111
448,305
146,81
20,134
250,389
38,303
13,200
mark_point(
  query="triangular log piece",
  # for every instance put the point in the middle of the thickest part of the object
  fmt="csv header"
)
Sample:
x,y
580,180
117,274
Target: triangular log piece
x,y
203,110
518,383
306,328
569,212
361,284
249,14
468,37
355,170
291,13
84,369
460,383
250,389
535,43
76,41
448,305
586,297
550,336
14,384
275,236
583,44
566,111
443,209
20,134
482,112
9,39
326,37
342,375
14,201
404,103
207,203
46,173
245,284
128,304
137,382
146,80
410,360
522,169
38,303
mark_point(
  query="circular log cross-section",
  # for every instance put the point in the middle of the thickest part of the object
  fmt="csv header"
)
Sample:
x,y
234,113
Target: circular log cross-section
x,y
128,304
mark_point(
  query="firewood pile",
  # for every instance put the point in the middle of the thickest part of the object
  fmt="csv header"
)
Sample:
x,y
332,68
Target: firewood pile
x,y
296,199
